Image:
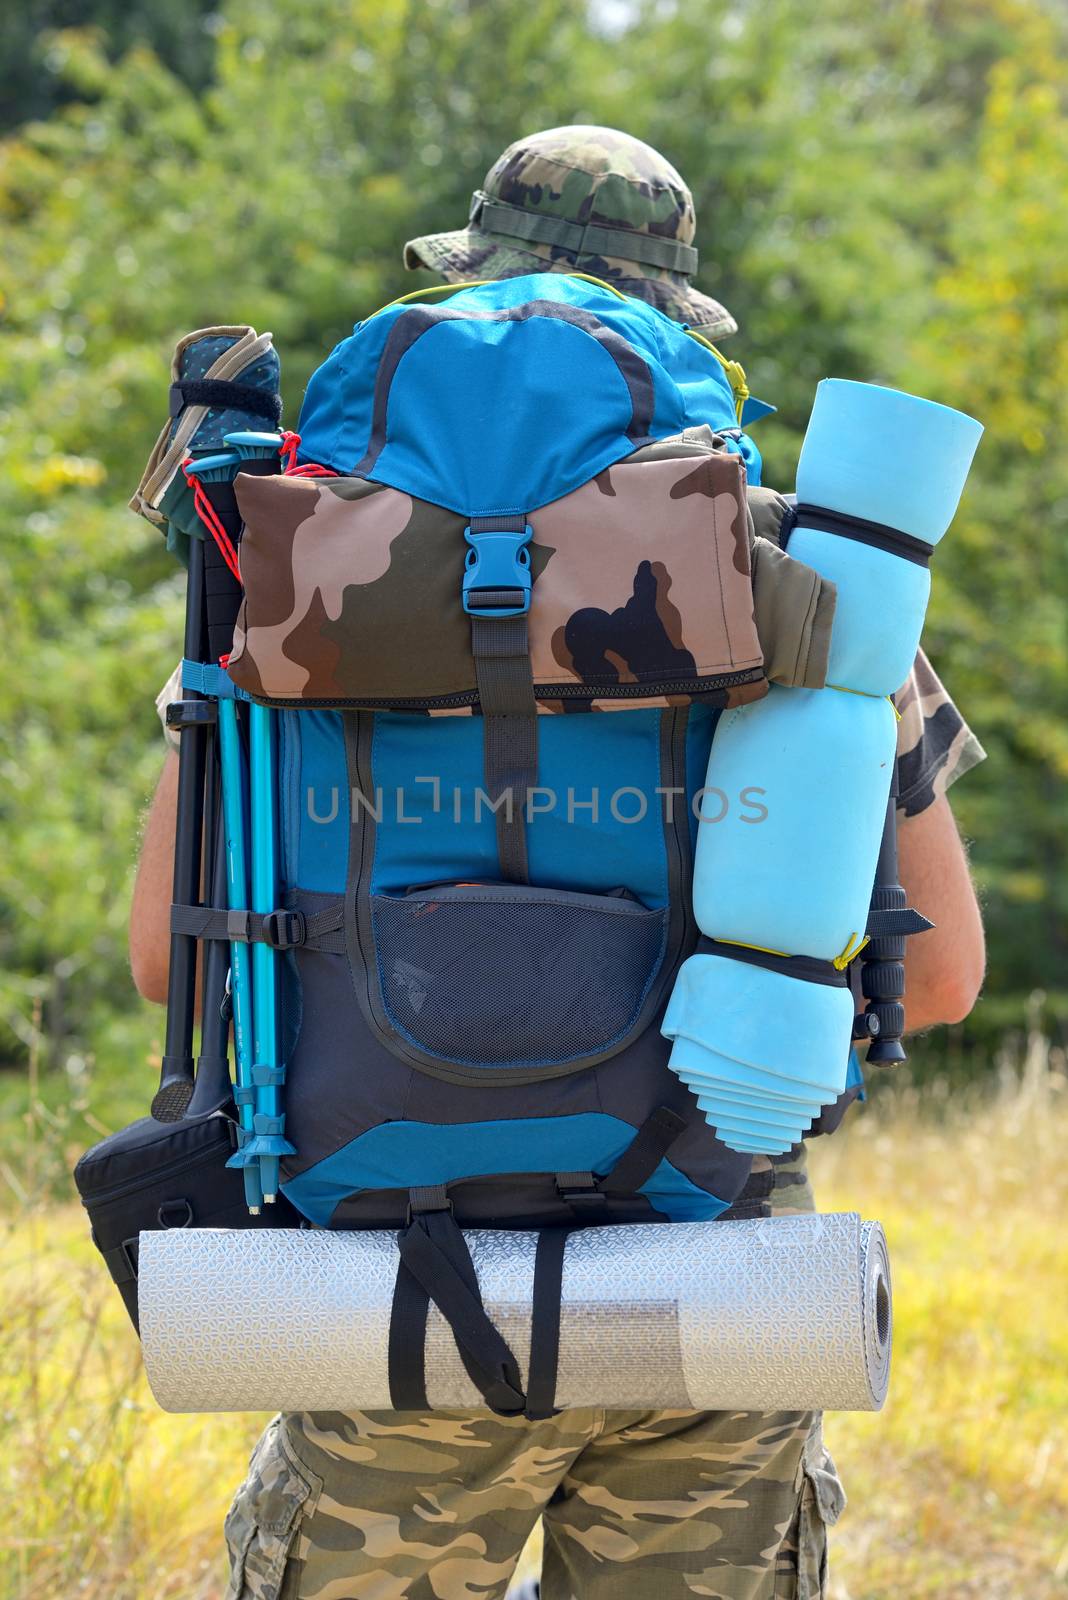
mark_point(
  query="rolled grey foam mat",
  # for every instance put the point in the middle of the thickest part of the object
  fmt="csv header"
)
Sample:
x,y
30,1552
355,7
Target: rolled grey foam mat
x,y
791,1313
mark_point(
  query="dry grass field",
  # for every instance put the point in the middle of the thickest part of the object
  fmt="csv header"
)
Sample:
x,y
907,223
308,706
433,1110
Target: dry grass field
x,y
959,1488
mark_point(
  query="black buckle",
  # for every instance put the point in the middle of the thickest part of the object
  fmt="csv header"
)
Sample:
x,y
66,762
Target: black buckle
x,y
175,399
128,1251
192,713
580,1190
284,929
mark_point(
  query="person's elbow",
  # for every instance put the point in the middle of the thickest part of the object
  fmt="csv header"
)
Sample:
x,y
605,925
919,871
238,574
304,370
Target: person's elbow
x,y
150,906
943,989
148,967
944,967
955,997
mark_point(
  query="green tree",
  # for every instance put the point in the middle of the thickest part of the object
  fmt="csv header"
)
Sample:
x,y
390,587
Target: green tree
x,y
880,194
32,78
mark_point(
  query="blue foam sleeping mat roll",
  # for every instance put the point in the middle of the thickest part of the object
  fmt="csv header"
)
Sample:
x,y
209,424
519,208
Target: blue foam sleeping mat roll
x,y
763,1040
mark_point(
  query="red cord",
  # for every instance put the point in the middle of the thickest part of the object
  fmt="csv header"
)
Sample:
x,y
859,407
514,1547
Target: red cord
x,y
311,469
207,514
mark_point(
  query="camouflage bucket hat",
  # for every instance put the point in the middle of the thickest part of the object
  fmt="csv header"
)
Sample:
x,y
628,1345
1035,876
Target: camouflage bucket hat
x,y
588,199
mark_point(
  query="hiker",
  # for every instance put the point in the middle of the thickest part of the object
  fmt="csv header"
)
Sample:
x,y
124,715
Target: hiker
x,y
649,1504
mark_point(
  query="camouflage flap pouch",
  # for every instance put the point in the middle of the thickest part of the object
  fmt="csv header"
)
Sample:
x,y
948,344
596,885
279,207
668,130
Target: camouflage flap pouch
x,y
641,591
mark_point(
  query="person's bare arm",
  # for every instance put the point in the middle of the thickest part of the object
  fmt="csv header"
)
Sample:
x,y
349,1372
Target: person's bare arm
x,y
943,968
150,938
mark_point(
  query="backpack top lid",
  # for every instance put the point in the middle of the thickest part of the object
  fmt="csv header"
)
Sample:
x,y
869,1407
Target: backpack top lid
x,y
509,394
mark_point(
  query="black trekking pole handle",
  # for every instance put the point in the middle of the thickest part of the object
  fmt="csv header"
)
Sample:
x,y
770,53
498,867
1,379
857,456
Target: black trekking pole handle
x,y
213,1089
882,972
192,715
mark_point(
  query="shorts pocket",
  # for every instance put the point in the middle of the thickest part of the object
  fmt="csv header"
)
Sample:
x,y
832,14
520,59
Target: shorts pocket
x,y
803,1563
262,1523
505,976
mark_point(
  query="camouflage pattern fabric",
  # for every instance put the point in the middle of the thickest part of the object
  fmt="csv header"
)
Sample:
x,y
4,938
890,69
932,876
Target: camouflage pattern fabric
x,y
642,579
614,208
438,1506
935,746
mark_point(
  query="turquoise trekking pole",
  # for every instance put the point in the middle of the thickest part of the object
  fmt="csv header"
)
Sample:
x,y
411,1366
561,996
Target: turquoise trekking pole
x,y
234,785
268,1075
211,478
268,1143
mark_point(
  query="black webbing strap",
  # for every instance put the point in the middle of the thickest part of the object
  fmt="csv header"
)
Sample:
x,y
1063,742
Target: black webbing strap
x,y
880,535
593,1198
645,1152
282,929
895,922
222,395
545,1323
435,1254
407,1343
811,969
501,650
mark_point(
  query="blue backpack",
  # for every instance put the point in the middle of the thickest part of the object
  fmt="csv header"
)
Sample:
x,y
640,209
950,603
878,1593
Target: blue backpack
x,y
490,616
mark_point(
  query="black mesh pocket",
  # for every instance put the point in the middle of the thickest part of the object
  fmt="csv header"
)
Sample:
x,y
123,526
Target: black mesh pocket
x,y
505,976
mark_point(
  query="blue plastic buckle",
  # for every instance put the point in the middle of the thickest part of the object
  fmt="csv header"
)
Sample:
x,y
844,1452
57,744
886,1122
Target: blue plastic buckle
x,y
496,562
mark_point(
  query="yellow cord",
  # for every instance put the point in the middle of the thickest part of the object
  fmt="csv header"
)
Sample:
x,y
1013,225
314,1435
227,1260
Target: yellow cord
x,y
587,277
477,283
734,370
434,288
865,696
854,945
763,948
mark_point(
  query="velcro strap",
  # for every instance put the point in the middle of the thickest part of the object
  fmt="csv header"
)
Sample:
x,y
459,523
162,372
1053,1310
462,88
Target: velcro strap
x,y
205,677
880,535
500,219
222,395
896,923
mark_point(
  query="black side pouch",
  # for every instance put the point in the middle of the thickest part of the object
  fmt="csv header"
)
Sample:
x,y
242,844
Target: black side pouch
x,y
165,1175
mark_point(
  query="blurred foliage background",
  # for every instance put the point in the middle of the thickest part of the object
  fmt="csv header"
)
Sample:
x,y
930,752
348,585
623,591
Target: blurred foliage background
x,y
881,194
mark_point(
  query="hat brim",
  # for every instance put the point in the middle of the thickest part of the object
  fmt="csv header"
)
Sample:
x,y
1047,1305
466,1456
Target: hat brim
x,y
468,253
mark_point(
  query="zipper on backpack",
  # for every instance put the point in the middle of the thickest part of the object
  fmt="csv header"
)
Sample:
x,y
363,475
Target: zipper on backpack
x,y
168,1169
566,691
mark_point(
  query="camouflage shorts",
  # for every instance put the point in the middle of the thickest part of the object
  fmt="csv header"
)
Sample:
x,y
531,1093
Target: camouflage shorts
x,y
438,1506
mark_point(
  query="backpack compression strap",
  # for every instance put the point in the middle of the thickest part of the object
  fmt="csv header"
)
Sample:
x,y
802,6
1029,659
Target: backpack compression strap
x,y
496,597
436,1265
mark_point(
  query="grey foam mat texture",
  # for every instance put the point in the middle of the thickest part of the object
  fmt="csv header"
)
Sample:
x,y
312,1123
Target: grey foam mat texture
x,y
788,1313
